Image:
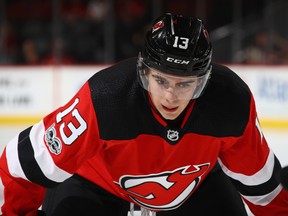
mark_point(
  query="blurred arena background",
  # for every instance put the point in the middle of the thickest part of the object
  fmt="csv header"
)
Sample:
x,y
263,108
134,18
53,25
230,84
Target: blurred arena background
x,y
97,31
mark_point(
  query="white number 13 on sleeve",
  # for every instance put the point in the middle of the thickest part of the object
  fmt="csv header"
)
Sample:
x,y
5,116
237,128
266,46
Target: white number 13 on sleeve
x,y
75,131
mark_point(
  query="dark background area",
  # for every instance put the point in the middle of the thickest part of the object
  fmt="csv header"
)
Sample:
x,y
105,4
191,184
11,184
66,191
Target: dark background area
x,y
106,31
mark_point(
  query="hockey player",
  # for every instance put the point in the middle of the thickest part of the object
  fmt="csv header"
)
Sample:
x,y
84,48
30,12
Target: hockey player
x,y
169,132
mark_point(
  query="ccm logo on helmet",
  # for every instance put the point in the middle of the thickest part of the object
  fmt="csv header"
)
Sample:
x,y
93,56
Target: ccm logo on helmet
x,y
177,61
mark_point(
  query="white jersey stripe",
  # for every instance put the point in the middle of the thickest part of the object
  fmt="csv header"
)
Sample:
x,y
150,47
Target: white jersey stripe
x,y
258,178
264,199
13,162
43,157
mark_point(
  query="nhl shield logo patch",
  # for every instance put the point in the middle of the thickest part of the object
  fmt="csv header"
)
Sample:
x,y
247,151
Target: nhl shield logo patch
x,y
172,135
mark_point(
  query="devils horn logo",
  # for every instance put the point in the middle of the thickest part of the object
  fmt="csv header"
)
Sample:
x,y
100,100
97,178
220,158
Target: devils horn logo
x,y
157,26
166,190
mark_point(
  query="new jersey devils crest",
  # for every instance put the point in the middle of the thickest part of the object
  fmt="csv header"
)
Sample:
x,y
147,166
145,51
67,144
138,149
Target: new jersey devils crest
x,y
166,190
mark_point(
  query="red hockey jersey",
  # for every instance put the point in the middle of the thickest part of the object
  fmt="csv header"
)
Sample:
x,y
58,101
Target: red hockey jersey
x,y
109,134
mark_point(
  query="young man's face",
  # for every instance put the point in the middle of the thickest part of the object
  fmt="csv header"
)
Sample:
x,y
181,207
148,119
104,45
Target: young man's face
x,y
170,94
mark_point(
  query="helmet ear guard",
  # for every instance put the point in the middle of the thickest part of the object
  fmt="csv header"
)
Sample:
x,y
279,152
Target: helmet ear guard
x,y
178,46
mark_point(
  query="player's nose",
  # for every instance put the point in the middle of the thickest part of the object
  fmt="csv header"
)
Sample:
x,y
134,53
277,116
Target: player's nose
x,y
170,94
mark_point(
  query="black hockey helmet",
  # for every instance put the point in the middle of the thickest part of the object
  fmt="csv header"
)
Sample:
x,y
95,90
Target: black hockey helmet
x,y
179,46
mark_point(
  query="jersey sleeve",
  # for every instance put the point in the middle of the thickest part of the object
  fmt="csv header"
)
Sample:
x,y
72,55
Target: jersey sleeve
x,y
254,169
47,153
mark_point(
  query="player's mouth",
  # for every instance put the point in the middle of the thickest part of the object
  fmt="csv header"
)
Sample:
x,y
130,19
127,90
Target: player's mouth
x,y
167,109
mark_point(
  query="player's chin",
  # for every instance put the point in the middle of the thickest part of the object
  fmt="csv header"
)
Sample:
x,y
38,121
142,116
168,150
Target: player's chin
x,y
170,115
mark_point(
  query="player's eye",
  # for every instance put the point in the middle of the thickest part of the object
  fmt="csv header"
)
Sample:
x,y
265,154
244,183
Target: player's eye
x,y
184,85
160,80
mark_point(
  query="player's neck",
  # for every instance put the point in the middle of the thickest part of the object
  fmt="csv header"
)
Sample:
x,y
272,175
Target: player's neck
x,y
176,123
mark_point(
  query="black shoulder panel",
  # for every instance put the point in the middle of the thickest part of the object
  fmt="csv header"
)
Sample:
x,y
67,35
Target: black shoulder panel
x,y
223,109
119,101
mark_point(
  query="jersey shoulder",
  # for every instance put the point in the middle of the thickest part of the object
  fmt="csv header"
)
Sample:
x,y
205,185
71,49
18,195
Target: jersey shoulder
x,y
118,100
113,78
225,104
